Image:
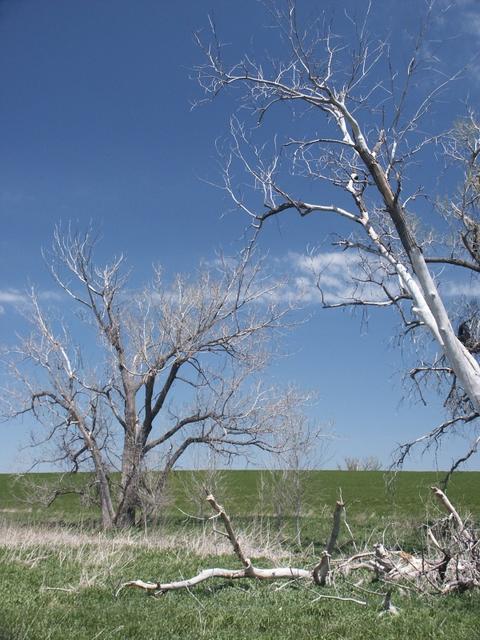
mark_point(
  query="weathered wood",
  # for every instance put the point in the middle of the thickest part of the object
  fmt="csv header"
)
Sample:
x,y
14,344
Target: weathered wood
x,y
278,573
390,566
322,569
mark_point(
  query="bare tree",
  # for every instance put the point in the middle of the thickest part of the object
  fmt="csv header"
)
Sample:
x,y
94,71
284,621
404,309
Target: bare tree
x,y
362,146
283,487
133,379
353,463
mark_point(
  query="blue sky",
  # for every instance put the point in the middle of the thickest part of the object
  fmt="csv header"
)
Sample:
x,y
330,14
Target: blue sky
x,y
96,125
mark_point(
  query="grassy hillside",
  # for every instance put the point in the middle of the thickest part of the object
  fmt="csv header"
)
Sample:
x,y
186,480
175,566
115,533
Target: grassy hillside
x,y
59,574
407,494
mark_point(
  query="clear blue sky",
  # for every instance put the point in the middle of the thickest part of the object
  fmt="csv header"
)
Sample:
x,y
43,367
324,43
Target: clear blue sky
x,y
96,125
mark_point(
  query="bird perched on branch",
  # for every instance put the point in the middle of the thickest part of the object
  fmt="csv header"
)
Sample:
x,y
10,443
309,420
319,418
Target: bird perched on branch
x,y
468,336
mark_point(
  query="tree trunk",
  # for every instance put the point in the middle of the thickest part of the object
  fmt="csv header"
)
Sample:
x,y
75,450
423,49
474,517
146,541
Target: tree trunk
x,y
126,515
104,491
129,499
463,364
105,494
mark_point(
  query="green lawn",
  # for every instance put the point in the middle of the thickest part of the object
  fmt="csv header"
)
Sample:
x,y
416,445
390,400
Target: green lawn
x,y
58,575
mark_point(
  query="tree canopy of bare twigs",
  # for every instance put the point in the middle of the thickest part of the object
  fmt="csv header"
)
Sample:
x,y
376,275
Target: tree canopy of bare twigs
x,y
369,135
354,463
130,380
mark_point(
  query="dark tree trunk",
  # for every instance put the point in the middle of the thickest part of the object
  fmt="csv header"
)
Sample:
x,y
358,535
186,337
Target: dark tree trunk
x,y
129,492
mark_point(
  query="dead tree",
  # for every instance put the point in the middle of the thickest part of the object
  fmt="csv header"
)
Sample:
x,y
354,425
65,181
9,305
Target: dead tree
x,y
131,380
354,463
366,140
317,575
452,563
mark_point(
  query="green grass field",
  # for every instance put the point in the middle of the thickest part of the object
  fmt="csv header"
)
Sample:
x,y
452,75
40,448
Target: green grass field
x,y
406,494
59,574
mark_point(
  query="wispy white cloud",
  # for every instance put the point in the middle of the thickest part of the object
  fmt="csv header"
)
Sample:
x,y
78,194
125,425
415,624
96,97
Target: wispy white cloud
x,y
464,14
457,37
461,289
49,295
17,299
470,20
331,277
12,296
336,277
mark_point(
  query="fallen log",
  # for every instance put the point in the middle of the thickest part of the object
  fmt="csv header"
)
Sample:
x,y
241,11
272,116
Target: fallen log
x,y
455,565
317,575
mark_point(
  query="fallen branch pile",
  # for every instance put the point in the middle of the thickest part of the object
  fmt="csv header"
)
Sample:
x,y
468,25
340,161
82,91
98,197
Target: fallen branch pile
x,y
451,561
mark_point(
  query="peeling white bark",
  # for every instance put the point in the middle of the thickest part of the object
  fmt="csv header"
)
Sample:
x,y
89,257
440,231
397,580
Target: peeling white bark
x,y
389,566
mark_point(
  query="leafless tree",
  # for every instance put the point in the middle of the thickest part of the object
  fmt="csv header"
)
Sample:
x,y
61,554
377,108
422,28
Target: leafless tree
x,y
131,380
368,132
283,487
370,463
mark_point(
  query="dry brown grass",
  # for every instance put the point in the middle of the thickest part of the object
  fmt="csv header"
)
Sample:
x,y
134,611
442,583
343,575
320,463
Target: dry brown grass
x,y
201,542
98,559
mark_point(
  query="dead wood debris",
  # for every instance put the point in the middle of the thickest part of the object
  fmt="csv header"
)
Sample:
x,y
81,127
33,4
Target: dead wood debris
x,y
450,563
